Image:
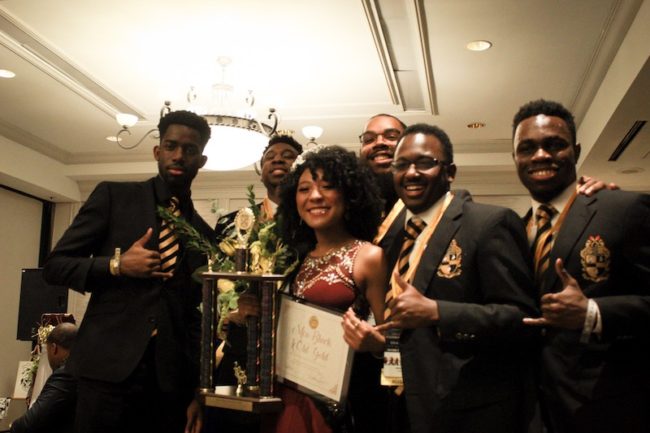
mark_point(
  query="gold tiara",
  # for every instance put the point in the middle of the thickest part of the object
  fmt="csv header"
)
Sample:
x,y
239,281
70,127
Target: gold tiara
x,y
284,132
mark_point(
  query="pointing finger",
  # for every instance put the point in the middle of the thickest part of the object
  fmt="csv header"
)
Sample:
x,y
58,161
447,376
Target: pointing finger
x,y
530,321
385,326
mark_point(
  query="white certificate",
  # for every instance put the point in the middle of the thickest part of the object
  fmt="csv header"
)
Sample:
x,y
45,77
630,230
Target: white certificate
x,y
311,352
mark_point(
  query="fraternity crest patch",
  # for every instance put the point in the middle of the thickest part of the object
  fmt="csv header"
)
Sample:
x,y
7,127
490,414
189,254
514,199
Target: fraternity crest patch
x,y
595,261
451,264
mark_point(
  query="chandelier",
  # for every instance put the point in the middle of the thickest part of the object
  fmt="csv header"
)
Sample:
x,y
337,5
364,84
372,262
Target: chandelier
x,y
237,137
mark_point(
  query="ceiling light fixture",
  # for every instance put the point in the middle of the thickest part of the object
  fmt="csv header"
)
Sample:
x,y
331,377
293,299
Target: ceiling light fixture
x,y
126,120
476,125
630,170
479,45
237,139
6,73
233,129
312,133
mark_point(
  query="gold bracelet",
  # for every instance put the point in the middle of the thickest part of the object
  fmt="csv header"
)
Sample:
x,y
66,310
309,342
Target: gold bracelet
x,y
114,264
590,321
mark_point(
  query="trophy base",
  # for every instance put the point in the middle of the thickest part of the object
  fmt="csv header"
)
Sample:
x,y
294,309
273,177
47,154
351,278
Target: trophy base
x,y
226,397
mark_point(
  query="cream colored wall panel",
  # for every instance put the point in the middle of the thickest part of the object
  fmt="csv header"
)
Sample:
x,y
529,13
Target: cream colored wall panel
x,y
20,229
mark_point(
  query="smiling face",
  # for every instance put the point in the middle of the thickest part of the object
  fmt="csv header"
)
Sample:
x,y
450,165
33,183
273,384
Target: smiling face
x,y
545,156
276,163
179,156
320,205
420,189
378,142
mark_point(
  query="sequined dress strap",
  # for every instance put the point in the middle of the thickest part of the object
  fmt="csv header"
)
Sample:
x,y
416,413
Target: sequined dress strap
x,y
334,267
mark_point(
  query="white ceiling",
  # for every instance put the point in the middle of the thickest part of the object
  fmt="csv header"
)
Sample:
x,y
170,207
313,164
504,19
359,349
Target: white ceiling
x,y
331,63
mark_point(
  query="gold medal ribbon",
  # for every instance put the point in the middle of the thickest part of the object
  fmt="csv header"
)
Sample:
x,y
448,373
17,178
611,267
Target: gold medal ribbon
x,y
422,242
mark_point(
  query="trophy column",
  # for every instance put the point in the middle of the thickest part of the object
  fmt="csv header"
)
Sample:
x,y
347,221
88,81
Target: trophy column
x,y
253,354
255,393
208,327
267,338
260,353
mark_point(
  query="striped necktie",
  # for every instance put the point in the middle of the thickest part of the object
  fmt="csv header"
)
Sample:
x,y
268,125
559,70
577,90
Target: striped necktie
x,y
413,229
543,239
168,242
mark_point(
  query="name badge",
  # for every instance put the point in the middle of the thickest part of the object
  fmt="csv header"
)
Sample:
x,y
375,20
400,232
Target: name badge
x,y
391,372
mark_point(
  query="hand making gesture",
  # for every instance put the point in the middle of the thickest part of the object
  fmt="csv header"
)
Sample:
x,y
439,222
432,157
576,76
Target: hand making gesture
x,y
564,309
410,309
139,262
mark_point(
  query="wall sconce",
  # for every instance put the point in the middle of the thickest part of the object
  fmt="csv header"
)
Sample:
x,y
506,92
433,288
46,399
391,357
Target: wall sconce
x,y
126,120
312,133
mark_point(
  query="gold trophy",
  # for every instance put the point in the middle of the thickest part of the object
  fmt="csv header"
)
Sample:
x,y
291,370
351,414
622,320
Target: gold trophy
x,y
240,374
244,221
255,385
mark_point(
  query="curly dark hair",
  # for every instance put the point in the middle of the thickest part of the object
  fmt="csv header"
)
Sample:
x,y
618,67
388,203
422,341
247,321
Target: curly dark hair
x,y
423,128
548,108
363,202
186,118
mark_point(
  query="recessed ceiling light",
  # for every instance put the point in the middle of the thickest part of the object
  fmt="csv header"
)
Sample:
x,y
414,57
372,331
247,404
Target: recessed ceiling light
x,y
5,73
631,170
476,125
113,139
479,45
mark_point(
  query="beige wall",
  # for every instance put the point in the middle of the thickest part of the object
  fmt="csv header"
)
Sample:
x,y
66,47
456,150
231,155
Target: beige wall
x,y
20,230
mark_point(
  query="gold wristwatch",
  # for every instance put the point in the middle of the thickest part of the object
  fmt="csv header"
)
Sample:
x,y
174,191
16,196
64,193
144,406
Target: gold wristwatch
x,y
114,264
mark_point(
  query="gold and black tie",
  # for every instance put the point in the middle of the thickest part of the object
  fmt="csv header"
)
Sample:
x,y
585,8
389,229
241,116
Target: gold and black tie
x,y
168,242
543,239
413,229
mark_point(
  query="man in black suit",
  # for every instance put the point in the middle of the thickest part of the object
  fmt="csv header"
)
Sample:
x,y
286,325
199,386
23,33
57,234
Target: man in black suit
x,y
463,348
137,350
593,276
54,409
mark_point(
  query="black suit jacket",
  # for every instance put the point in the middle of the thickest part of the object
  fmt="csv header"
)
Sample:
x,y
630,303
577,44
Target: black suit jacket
x,y
609,375
53,411
479,352
122,311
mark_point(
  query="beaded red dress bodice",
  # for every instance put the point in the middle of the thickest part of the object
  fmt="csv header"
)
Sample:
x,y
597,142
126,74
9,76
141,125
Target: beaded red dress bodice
x,y
327,280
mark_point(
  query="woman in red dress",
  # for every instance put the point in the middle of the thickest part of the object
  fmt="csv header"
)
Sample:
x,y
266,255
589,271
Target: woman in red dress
x,y
329,212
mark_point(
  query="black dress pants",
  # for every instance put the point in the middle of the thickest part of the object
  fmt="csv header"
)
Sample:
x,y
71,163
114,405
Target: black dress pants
x,y
135,405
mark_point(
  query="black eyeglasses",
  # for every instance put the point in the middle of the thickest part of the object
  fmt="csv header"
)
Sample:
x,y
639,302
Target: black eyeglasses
x,y
421,164
388,134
